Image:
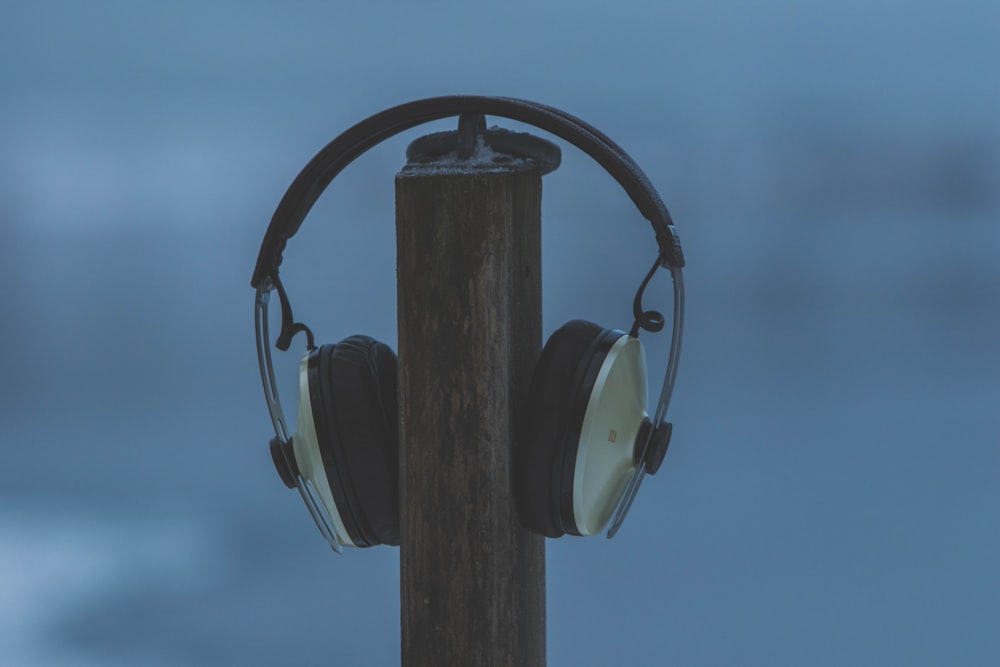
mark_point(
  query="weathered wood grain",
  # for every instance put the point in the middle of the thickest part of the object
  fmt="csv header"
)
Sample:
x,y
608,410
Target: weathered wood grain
x,y
469,316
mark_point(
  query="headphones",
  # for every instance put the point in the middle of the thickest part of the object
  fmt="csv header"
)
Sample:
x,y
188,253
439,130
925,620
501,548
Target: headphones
x,y
587,441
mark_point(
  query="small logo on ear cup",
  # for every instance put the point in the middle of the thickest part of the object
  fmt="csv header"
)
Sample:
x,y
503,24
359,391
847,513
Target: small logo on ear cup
x,y
613,436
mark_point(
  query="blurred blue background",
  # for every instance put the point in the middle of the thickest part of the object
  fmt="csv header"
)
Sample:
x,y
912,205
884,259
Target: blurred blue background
x,y
830,496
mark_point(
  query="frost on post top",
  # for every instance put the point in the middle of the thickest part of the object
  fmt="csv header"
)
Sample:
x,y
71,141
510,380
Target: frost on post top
x,y
494,150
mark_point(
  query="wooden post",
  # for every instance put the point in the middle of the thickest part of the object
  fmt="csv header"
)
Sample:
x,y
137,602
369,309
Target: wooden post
x,y
469,314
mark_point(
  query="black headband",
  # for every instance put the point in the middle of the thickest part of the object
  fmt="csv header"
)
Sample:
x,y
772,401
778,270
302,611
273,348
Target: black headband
x,y
352,143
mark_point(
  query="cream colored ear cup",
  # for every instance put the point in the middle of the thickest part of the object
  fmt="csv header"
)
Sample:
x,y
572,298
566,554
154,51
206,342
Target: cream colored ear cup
x,y
615,413
305,444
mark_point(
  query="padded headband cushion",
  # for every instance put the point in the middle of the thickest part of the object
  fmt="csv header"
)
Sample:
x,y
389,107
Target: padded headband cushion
x,y
545,456
357,391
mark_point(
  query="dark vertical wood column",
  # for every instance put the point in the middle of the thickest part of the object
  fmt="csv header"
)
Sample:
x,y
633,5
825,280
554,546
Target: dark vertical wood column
x,y
469,293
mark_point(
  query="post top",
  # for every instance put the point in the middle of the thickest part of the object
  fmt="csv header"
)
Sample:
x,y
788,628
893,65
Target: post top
x,y
475,149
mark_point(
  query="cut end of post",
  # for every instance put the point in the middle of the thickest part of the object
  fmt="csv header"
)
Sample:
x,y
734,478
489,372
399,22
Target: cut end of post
x,y
482,159
475,149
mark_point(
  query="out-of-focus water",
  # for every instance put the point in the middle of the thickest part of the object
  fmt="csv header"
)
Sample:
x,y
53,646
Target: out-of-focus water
x,y
834,171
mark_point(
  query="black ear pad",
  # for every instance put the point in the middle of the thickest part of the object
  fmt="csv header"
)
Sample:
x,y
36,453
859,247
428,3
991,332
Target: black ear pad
x,y
545,454
353,393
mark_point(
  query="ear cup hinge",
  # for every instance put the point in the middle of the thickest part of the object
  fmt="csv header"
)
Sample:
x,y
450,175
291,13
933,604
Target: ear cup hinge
x,y
283,457
289,327
651,445
650,320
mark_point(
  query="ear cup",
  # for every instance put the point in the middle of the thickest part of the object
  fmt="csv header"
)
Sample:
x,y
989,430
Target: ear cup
x,y
545,454
352,386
